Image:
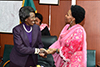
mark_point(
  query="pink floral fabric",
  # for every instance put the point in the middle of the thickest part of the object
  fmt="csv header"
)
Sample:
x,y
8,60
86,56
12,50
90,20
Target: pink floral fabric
x,y
72,45
42,26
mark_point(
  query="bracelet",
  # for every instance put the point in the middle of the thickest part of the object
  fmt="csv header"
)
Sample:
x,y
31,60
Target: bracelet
x,y
57,51
37,50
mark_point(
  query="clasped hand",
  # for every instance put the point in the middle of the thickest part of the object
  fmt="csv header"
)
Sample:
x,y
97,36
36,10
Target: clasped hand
x,y
43,52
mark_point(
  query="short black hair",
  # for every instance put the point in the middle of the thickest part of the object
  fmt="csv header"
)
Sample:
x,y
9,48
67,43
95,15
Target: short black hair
x,y
24,12
78,13
39,16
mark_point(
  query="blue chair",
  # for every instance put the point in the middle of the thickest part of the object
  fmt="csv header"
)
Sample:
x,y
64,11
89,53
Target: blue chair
x,y
91,58
5,59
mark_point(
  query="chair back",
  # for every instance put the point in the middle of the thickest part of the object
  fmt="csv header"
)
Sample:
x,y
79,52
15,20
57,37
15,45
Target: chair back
x,y
91,58
7,50
48,40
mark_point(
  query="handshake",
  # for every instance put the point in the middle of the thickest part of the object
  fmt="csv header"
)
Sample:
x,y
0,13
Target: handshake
x,y
43,52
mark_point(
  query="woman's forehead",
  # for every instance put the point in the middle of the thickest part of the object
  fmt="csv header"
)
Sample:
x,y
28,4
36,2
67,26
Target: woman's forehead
x,y
32,14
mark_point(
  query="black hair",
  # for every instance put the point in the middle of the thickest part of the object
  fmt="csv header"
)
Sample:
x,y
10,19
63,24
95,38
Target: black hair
x,y
24,12
39,16
78,13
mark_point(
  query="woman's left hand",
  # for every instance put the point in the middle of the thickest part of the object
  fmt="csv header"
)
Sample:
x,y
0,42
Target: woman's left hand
x,y
43,53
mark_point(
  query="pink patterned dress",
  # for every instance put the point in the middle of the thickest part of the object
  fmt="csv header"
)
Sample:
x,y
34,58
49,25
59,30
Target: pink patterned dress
x,y
72,45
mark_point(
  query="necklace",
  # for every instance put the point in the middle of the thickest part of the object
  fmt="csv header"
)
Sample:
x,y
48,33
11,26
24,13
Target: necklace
x,y
26,29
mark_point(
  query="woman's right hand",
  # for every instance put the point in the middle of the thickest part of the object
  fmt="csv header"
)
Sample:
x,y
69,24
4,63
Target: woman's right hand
x,y
43,53
51,51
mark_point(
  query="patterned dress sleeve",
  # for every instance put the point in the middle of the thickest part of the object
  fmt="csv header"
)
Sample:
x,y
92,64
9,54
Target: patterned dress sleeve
x,y
72,44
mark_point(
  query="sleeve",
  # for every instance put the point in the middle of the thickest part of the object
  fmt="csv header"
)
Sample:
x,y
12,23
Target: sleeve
x,y
19,45
40,44
72,44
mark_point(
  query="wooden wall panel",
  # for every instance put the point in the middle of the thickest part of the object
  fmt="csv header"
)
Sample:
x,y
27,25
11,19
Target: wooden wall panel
x,y
92,25
0,45
58,17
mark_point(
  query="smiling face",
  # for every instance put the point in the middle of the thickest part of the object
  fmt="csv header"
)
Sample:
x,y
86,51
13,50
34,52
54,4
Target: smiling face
x,y
68,17
31,19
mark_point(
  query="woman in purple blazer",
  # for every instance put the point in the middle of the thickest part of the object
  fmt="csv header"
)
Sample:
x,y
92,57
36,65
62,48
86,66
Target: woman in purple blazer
x,y
27,40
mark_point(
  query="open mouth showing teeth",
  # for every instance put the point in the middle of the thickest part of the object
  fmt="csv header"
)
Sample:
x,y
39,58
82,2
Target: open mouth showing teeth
x,y
33,22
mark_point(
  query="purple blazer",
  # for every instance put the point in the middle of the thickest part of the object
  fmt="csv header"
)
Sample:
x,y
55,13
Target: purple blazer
x,y
22,49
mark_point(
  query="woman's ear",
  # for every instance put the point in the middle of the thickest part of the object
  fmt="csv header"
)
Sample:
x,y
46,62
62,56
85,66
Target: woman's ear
x,y
25,20
73,19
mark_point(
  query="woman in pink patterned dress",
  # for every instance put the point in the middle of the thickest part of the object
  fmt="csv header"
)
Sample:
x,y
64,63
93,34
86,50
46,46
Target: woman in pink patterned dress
x,y
71,45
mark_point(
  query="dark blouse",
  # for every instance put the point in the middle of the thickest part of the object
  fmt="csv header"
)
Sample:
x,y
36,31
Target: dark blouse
x,y
29,60
45,32
29,34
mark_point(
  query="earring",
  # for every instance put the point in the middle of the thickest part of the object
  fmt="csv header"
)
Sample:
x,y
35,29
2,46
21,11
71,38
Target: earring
x,y
71,22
